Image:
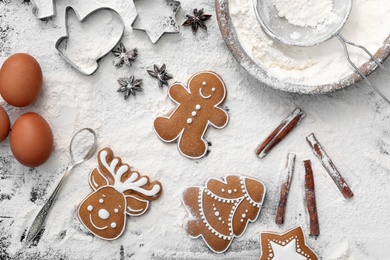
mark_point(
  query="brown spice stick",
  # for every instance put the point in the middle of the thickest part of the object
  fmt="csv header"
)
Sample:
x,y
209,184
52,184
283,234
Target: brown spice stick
x,y
329,166
311,199
285,127
288,174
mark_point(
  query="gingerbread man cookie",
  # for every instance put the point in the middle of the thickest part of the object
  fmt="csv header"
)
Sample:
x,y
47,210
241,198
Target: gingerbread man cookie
x,y
198,107
290,246
118,191
222,210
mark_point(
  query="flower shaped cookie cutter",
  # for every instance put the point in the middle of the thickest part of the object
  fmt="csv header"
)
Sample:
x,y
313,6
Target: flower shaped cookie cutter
x,y
62,44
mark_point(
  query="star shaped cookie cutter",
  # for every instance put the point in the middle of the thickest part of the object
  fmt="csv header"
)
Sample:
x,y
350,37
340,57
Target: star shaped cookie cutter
x,y
93,68
43,13
166,23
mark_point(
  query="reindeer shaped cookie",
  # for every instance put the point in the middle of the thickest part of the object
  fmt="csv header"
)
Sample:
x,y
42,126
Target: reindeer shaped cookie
x,y
118,191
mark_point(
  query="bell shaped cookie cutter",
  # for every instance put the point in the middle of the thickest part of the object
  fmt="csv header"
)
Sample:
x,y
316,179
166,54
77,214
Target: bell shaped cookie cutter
x,y
93,68
43,9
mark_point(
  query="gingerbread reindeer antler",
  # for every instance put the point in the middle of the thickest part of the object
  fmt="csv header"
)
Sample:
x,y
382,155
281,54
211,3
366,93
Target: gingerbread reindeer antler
x,y
112,172
118,191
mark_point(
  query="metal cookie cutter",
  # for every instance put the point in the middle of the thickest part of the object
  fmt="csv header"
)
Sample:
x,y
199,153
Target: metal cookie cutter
x,y
62,43
43,9
163,14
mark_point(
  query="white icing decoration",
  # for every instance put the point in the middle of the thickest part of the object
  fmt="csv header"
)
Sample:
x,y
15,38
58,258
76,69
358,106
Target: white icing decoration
x,y
90,208
286,252
203,96
134,210
94,182
103,214
116,210
193,113
113,225
189,120
204,83
101,201
213,89
243,215
93,224
198,107
131,183
234,204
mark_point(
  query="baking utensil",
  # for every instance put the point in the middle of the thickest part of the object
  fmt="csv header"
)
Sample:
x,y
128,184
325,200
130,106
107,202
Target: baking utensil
x,y
280,29
264,75
156,17
43,9
76,63
83,143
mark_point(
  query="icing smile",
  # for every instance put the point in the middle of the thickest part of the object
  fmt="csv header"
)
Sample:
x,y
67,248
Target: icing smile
x,y
93,224
203,96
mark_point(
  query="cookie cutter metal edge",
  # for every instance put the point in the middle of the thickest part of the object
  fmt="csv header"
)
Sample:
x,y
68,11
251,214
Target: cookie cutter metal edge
x,y
144,30
81,20
35,10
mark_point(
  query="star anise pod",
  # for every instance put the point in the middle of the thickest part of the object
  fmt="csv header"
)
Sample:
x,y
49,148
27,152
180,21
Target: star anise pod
x,y
123,56
197,20
129,86
161,74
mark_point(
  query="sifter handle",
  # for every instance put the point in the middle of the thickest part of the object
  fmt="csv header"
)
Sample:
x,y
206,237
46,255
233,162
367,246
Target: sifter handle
x,y
344,42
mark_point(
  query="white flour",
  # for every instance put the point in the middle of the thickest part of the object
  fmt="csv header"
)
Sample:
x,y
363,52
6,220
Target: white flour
x,y
368,25
352,126
304,12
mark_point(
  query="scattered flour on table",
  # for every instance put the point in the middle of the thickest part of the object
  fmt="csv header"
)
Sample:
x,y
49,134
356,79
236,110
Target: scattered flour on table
x,y
368,25
70,101
304,12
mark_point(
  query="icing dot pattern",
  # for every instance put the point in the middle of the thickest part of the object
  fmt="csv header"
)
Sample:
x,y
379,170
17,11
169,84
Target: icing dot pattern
x,y
234,203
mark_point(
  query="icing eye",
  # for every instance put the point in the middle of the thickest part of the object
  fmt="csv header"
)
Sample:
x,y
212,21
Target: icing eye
x,y
101,201
213,89
90,208
113,225
204,83
116,210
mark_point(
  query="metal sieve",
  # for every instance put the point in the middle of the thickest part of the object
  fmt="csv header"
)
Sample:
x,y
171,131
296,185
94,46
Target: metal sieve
x,y
280,29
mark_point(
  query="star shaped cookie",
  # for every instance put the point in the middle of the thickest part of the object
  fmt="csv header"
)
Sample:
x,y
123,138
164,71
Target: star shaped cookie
x,y
156,17
287,246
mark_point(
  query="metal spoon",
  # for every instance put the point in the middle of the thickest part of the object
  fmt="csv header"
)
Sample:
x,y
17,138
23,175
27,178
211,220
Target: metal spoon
x,y
42,215
280,29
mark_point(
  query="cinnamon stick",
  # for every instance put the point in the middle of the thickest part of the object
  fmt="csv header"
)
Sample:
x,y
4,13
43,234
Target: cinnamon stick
x,y
288,174
329,166
285,127
311,199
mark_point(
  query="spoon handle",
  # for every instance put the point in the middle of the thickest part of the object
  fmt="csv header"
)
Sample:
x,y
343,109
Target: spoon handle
x,y
39,220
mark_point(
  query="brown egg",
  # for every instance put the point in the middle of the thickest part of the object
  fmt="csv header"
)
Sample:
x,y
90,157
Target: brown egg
x,y
20,80
4,124
31,140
